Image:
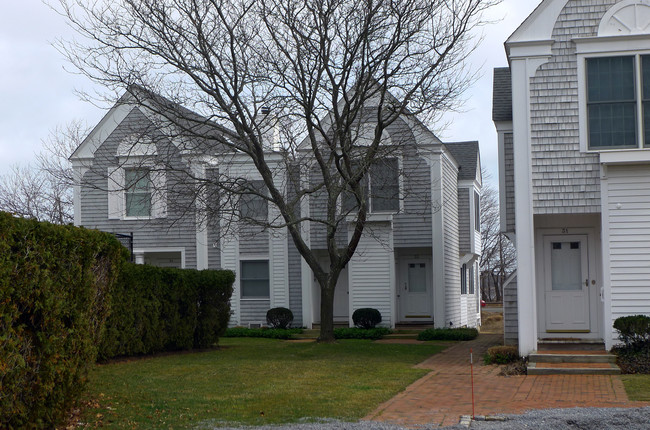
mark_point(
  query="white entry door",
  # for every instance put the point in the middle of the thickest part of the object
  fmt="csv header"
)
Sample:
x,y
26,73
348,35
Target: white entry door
x,y
566,270
414,291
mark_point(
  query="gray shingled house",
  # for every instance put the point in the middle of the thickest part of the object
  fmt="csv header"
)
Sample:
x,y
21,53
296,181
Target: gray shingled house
x,y
572,112
417,263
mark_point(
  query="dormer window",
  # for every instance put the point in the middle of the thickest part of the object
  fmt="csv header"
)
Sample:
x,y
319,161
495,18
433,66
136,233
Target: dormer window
x,y
618,102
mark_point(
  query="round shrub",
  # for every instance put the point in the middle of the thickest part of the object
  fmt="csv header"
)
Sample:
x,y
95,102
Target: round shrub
x,y
501,355
366,318
279,317
633,330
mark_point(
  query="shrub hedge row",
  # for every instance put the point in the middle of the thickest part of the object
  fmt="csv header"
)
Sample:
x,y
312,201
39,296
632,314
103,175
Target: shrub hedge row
x,y
270,333
361,333
157,309
448,334
54,287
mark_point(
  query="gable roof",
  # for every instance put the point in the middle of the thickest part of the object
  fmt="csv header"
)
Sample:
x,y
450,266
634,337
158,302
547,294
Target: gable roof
x,y
466,154
136,97
539,24
502,95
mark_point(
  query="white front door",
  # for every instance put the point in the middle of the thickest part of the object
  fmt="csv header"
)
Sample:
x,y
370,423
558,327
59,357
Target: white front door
x,y
414,290
567,282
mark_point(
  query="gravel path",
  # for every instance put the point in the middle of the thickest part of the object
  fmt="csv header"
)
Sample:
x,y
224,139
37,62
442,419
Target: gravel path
x,y
548,419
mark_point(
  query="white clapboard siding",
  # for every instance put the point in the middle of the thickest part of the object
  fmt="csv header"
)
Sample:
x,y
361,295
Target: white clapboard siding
x,y
451,245
230,261
371,272
278,259
629,239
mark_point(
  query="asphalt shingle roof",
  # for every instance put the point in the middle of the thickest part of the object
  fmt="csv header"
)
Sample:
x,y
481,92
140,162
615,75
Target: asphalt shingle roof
x,y
466,154
502,95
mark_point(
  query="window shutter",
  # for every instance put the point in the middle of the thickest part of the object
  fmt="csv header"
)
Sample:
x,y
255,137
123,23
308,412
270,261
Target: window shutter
x,y
158,194
115,193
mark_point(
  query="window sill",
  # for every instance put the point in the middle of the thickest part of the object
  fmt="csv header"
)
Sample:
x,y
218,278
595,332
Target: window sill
x,y
622,156
374,217
136,218
255,299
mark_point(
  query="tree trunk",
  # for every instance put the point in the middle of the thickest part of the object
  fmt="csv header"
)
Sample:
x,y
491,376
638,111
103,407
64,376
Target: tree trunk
x,y
326,313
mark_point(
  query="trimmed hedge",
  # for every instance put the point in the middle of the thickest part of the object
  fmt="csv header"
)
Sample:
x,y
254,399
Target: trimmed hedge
x,y
366,318
270,333
448,334
279,317
361,333
156,309
633,330
54,285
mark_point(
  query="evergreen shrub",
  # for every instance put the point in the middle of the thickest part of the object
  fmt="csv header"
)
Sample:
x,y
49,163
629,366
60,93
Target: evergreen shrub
x,y
55,282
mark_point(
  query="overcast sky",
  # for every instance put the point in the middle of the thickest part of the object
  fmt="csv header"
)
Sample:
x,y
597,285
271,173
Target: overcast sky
x,y
38,90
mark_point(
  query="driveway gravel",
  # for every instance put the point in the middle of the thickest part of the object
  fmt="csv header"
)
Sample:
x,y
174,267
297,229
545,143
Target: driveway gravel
x,y
547,419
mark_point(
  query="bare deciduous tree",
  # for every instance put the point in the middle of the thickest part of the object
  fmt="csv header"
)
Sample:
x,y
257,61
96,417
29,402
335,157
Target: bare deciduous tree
x,y
43,190
321,68
498,258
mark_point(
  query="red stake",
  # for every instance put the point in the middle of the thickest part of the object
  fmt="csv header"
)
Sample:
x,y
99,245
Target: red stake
x,y
471,366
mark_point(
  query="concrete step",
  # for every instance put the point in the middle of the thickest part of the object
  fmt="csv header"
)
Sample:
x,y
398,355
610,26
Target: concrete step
x,y
571,357
571,344
535,368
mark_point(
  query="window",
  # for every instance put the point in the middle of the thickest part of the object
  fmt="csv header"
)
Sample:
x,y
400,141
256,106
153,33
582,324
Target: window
x,y
463,279
137,193
477,212
254,279
253,206
471,279
618,95
381,191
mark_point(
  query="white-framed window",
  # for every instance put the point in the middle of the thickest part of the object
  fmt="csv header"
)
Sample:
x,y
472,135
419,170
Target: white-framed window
x,y
254,279
477,212
463,279
471,279
137,192
617,102
381,188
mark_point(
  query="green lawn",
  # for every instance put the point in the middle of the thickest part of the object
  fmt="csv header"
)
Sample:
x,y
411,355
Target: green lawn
x,y
252,381
637,387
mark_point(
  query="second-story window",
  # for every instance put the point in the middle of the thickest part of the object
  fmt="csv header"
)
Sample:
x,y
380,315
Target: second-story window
x,y
137,193
253,206
618,102
380,188
477,212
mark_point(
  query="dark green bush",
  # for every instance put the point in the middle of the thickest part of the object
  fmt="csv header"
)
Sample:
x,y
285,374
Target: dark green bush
x,y
279,318
54,285
157,309
501,355
633,359
361,333
633,330
448,334
366,318
270,333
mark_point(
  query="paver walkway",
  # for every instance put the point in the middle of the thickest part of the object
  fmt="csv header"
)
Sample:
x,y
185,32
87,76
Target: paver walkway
x,y
442,396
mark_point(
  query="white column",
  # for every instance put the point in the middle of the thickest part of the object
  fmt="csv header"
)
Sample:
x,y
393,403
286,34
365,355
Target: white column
x,y
522,69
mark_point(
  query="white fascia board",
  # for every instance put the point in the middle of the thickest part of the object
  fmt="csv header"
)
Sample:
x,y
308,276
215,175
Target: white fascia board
x,y
529,49
540,23
503,126
629,156
611,45
102,130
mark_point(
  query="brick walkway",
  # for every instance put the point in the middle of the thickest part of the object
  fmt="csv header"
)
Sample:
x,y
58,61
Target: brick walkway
x,y
443,395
